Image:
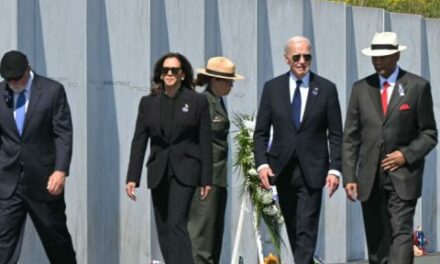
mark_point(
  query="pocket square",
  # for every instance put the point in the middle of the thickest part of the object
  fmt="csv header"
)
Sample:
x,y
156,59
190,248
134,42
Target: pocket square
x,y
404,107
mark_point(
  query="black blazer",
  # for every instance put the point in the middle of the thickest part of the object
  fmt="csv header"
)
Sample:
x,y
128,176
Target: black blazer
x,y
316,144
189,148
409,126
46,143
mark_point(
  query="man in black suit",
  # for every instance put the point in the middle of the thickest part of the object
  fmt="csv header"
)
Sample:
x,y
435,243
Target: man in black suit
x,y
35,154
305,154
390,128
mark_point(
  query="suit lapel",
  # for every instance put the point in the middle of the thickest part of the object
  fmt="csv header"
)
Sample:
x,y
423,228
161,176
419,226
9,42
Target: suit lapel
x,y
374,93
312,95
184,106
285,99
36,90
155,115
7,106
399,91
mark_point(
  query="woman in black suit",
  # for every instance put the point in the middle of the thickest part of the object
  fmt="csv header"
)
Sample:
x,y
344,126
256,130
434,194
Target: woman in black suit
x,y
176,121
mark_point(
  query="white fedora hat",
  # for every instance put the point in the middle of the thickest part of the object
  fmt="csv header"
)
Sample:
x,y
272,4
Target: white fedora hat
x,y
220,67
383,44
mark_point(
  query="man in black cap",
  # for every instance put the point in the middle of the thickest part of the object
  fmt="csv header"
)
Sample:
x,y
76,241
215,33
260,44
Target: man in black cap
x,y
35,155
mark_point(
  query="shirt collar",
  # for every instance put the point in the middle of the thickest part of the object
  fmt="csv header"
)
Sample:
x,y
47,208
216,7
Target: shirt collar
x,y
391,79
305,80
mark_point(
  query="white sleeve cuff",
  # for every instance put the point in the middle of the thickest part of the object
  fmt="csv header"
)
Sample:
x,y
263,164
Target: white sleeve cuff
x,y
262,166
335,172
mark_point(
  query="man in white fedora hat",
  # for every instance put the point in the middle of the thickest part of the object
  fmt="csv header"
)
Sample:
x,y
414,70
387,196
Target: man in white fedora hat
x,y
305,154
389,129
206,221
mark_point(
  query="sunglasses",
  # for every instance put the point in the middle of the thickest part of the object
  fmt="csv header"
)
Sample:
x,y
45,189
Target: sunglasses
x,y
297,57
174,70
225,80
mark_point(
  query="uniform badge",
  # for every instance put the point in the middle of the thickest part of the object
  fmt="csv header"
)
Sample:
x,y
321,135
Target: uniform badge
x,y
216,119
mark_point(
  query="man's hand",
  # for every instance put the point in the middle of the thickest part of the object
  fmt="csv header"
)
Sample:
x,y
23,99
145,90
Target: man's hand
x,y
55,185
351,190
264,174
393,161
130,188
204,191
332,183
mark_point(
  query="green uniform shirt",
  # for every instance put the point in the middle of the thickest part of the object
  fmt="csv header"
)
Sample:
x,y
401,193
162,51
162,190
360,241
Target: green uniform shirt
x,y
220,129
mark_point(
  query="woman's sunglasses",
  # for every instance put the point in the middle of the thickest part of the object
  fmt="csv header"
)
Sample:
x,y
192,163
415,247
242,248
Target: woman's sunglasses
x,y
174,70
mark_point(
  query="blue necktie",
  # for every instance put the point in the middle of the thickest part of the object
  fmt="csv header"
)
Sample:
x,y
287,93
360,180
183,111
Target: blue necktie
x,y
296,105
20,111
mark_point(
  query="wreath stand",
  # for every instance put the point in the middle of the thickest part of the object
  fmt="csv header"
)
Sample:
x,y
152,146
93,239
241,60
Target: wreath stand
x,y
244,208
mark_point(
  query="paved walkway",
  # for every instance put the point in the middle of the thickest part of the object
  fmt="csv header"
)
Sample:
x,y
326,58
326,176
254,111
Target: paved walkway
x,y
428,259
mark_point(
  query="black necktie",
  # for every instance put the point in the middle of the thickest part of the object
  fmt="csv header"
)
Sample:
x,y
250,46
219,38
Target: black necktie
x,y
296,105
223,104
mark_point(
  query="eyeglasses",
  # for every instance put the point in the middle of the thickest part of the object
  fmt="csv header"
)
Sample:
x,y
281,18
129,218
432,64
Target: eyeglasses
x,y
174,70
297,57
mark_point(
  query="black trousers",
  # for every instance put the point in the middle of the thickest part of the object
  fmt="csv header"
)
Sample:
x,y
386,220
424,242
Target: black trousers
x,y
171,202
301,207
49,219
388,224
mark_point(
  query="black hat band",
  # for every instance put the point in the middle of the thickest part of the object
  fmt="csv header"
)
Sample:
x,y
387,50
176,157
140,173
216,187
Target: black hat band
x,y
220,73
384,46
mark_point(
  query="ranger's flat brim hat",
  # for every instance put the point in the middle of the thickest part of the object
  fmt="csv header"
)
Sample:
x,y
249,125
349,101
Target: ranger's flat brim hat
x,y
13,65
383,44
220,67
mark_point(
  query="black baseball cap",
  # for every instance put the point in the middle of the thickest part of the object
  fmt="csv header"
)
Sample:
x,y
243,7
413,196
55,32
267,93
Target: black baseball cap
x,y
13,65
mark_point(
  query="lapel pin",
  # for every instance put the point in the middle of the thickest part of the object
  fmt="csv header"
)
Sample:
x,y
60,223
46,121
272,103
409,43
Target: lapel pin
x,y
401,90
185,108
315,91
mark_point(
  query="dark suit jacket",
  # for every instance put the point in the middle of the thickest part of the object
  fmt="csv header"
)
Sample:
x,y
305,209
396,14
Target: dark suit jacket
x,y
409,126
189,149
46,143
220,128
316,144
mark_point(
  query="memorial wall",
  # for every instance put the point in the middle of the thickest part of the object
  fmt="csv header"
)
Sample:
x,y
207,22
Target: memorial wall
x,y
103,52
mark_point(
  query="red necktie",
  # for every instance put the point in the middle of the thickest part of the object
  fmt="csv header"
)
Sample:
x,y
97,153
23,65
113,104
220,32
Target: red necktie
x,y
385,97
